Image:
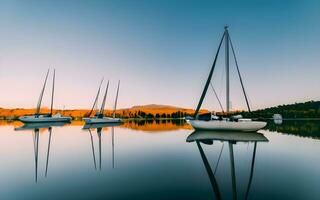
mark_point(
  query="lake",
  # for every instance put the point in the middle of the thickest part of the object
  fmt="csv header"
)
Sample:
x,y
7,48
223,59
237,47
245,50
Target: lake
x,y
158,160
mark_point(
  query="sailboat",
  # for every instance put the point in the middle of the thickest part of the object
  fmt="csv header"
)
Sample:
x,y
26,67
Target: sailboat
x,y
208,137
236,123
43,118
99,117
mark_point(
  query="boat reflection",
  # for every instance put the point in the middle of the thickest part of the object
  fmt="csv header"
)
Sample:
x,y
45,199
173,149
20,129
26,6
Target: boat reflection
x,y
35,128
231,138
99,128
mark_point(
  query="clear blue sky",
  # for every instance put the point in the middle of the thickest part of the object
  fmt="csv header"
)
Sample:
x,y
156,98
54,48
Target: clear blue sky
x,y
161,50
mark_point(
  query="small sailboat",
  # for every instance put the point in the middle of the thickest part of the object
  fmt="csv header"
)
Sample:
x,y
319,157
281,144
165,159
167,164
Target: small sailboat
x,y
235,123
99,117
44,118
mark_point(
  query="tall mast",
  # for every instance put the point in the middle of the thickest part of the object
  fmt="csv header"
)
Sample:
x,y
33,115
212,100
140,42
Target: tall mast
x,y
54,76
96,99
227,68
104,100
116,101
41,94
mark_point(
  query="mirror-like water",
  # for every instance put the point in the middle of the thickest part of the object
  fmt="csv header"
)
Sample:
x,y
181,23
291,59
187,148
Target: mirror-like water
x,y
158,160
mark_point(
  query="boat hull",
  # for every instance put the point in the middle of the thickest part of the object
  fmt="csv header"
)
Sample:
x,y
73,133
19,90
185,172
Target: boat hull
x,y
104,120
216,125
43,119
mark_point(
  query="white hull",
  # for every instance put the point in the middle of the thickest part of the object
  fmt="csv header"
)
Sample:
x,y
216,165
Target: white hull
x,y
43,119
103,120
223,125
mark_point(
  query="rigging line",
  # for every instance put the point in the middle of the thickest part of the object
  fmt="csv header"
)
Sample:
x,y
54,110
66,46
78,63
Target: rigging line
x,y
221,81
218,159
41,94
215,93
208,80
96,99
239,74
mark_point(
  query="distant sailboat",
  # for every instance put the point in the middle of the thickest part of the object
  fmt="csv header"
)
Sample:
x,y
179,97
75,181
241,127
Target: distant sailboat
x,y
236,123
43,118
99,117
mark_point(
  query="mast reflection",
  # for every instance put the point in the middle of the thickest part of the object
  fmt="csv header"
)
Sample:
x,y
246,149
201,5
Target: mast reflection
x,y
99,128
231,138
35,128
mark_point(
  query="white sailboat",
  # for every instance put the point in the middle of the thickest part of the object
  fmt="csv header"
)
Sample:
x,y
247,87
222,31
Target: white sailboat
x,y
99,117
44,118
225,124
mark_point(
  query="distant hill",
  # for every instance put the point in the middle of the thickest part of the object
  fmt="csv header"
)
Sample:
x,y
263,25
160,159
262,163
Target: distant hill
x,y
155,106
141,111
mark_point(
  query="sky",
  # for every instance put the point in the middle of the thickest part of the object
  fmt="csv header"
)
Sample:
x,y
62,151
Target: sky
x,y
161,50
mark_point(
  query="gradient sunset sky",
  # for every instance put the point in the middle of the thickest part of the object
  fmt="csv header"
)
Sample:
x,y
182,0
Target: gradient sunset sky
x,y
161,51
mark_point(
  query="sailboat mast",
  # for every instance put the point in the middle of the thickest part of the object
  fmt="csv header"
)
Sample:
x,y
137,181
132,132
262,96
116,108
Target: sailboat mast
x,y
53,82
116,101
104,100
227,68
41,94
96,99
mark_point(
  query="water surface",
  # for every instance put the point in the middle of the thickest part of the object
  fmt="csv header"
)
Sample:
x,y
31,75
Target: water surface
x,y
154,160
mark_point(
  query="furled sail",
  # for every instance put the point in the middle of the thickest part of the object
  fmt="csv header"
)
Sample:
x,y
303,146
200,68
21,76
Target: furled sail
x,y
104,101
116,101
96,99
52,95
41,94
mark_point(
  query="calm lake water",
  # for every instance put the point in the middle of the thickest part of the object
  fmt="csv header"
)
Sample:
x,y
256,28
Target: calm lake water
x,y
154,160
